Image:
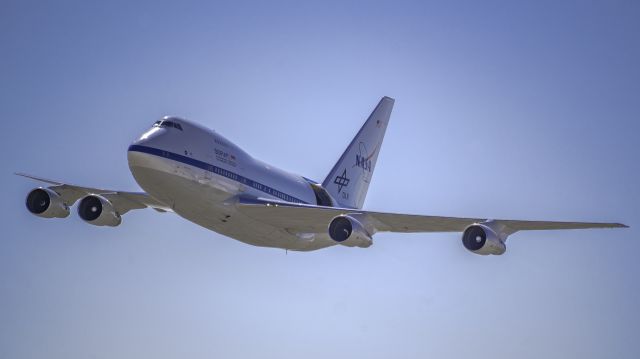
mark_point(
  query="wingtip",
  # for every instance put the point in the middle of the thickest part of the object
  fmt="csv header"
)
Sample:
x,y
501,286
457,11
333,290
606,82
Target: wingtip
x,y
40,179
617,225
22,174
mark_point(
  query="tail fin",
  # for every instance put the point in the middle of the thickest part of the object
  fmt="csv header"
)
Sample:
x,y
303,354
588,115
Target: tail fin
x,y
349,179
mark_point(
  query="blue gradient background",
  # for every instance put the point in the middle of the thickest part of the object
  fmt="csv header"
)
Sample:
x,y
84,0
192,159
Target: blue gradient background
x,y
504,109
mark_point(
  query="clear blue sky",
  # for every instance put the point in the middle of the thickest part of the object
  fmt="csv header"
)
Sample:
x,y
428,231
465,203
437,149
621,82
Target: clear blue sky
x,y
504,109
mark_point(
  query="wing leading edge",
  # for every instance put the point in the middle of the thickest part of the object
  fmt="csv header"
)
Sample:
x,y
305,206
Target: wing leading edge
x,y
122,201
310,218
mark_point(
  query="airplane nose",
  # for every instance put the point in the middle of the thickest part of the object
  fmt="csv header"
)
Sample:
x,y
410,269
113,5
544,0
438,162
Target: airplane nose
x,y
160,139
150,143
161,133
150,137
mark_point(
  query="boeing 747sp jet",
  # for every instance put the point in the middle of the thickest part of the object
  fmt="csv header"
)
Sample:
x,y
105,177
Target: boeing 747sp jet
x,y
198,174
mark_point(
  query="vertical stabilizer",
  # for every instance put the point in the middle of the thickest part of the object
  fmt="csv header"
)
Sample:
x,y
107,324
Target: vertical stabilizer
x,y
349,179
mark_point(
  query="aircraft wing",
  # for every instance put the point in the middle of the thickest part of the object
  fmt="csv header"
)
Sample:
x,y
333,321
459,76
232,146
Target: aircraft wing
x,y
315,219
122,201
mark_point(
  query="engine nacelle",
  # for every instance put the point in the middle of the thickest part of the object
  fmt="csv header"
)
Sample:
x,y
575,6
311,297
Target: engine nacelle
x,y
349,232
97,210
44,202
480,238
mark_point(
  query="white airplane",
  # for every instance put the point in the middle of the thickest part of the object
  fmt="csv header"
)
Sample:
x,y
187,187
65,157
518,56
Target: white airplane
x,y
198,174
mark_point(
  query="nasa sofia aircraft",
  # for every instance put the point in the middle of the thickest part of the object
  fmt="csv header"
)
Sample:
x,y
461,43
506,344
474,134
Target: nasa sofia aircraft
x,y
198,174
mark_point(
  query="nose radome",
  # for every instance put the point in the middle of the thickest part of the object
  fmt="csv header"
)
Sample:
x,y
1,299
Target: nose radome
x,y
150,136
164,135
148,143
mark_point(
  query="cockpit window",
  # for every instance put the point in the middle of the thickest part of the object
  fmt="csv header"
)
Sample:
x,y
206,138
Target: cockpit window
x,y
166,123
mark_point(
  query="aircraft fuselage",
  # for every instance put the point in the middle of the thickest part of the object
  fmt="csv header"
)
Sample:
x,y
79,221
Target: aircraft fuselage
x,y
199,174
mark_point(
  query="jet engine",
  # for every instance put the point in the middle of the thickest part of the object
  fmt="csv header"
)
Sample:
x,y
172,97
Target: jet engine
x,y
97,210
44,202
349,232
480,238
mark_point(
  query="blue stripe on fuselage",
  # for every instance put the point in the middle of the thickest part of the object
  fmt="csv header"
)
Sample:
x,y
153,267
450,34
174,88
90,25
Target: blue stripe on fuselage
x,y
216,170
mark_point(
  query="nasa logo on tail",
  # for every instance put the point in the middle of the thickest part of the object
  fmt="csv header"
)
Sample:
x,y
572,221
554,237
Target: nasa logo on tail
x,y
363,159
